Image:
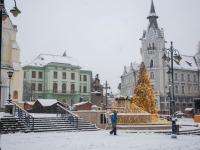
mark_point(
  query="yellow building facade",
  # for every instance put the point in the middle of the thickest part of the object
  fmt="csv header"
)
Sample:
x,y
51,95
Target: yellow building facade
x,y
10,60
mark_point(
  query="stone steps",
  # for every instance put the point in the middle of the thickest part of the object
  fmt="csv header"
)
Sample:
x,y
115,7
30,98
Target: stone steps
x,y
45,124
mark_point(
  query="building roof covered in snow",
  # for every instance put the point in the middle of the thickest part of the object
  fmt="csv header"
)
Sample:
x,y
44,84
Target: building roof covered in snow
x,y
81,103
45,59
47,102
186,63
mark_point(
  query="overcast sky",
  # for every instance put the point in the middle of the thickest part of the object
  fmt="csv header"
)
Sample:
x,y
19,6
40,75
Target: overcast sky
x,y
103,35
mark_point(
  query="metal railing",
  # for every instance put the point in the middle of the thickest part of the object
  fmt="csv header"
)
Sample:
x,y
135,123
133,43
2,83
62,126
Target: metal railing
x,y
66,114
24,116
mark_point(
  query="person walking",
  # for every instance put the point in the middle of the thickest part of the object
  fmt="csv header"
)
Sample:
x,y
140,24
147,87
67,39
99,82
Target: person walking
x,y
114,123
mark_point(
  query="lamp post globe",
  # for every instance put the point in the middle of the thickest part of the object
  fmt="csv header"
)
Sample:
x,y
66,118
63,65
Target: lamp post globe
x,y
15,11
10,74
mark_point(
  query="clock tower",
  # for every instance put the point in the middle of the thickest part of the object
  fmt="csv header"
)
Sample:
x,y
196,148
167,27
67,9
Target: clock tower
x,y
152,50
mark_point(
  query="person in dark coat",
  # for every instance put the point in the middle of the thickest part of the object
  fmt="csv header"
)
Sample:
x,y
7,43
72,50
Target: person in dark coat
x,y
114,123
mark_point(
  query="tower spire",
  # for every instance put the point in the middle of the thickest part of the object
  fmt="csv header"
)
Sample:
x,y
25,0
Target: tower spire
x,y
152,17
152,8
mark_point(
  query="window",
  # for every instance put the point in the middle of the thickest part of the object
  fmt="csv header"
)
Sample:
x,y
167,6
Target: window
x,y
80,89
149,48
151,64
182,77
24,75
40,75
73,76
15,95
152,75
55,75
176,89
55,87
39,86
84,89
33,74
102,119
194,76
64,75
33,86
64,88
153,46
176,76
80,78
189,88
72,88
188,77
183,89
85,78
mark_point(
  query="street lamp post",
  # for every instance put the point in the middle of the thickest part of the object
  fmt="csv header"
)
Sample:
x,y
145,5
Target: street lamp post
x,y
172,55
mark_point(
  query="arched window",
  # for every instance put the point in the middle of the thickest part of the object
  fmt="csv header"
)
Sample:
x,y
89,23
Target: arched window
x,y
64,88
15,95
151,64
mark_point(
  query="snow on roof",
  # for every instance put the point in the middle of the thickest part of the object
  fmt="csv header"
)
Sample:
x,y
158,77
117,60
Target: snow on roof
x,y
47,102
30,103
186,63
81,103
189,109
44,59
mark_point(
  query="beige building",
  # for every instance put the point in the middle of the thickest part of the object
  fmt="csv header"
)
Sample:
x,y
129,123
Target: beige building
x,y
10,59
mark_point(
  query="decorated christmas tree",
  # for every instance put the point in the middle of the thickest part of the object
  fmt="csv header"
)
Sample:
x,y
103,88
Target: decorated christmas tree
x,y
144,94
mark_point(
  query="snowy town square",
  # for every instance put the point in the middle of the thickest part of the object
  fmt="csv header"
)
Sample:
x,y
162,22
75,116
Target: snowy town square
x,y
99,75
98,140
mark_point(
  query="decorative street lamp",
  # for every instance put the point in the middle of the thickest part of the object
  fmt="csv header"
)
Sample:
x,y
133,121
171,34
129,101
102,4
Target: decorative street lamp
x,y
10,74
106,87
170,56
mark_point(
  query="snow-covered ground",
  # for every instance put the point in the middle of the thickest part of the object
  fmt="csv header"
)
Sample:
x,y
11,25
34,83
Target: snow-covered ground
x,y
98,140
101,140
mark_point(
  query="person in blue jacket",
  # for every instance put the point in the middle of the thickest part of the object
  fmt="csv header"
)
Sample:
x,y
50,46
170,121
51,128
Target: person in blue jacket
x,y
114,123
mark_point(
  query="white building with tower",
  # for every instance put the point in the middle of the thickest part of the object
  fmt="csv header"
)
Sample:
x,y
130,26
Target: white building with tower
x,y
186,72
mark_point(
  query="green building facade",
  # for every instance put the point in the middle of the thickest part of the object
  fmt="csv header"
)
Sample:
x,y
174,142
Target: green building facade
x,y
58,77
